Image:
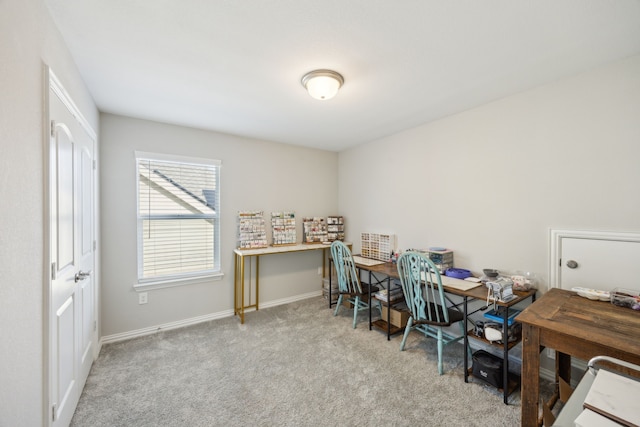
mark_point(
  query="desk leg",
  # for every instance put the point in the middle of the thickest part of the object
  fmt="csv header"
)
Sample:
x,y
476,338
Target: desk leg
x,y
530,386
257,282
563,371
330,285
505,357
388,309
324,262
241,305
235,284
465,300
370,302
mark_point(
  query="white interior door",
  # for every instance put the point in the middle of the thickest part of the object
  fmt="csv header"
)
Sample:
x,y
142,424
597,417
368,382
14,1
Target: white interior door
x,y
72,322
596,260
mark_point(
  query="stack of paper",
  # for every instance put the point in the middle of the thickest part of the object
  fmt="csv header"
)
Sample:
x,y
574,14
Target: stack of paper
x,y
394,295
614,397
592,419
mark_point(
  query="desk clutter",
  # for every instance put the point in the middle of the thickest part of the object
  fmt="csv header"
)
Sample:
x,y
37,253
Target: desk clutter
x,y
443,260
252,229
492,328
628,298
394,295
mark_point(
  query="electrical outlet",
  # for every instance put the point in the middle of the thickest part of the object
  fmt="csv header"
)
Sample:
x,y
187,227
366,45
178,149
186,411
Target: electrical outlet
x,y
142,298
319,271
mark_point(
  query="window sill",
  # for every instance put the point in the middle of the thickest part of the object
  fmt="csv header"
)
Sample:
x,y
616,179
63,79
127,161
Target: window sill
x,y
147,286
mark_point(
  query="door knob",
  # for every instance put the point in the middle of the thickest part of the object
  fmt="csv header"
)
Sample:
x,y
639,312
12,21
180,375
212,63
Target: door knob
x,y
81,275
572,264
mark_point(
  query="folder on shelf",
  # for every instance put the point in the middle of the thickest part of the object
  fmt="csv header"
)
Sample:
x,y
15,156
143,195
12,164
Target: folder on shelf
x,y
498,315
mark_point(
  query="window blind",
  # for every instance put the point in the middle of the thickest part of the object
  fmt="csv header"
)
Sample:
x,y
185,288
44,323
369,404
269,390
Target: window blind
x,y
178,217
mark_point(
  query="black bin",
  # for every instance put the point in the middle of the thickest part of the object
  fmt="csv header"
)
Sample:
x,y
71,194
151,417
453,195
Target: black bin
x,y
488,368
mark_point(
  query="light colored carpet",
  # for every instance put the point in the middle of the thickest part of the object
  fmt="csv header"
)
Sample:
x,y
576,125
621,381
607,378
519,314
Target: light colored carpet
x,y
291,365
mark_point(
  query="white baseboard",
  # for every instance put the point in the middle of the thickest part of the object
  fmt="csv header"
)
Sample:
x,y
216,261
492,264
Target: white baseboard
x,y
107,339
291,299
164,327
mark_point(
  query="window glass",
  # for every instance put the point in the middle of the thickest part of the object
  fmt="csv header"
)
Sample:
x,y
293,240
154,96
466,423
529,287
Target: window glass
x,y
178,217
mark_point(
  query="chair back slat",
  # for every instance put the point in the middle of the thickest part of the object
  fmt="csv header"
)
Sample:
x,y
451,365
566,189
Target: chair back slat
x,y
422,287
348,279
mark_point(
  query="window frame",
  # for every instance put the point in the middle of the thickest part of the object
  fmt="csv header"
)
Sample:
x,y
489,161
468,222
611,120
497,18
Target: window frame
x,y
181,278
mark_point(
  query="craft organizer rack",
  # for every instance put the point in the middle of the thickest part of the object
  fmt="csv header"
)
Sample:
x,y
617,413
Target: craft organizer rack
x,y
335,228
378,246
314,230
283,228
252,231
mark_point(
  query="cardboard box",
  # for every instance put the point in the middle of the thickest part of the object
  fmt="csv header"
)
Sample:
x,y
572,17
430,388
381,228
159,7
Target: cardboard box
x,y
399,318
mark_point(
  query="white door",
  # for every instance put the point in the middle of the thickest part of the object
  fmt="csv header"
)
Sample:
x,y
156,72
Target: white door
x,y
72,336
597,260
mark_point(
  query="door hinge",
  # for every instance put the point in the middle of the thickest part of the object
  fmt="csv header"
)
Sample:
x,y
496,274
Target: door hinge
x,y
95,325
560,262
53,271
94,165
95,245
53,412
53,128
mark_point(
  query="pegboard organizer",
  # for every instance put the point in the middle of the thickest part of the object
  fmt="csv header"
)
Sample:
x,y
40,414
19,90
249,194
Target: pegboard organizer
x,y
378,246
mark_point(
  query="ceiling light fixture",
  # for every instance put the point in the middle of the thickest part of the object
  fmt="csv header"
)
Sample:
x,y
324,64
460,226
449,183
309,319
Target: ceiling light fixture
x,y
322,84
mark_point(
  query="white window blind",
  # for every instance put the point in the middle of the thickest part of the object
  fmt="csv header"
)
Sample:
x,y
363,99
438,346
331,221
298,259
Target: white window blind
x,y
178,217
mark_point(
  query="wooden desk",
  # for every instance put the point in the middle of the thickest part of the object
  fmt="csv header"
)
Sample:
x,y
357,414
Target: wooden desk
x,y
240,304
573,326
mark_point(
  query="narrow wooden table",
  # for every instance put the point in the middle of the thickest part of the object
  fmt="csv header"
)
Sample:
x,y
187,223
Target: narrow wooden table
x,y
573,326
240,304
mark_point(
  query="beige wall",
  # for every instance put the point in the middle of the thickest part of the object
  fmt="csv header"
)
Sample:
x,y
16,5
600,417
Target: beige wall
x,y
255,174
28,40
490,182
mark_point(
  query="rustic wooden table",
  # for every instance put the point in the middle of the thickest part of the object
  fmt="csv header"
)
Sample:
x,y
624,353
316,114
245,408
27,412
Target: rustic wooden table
x,y
573,326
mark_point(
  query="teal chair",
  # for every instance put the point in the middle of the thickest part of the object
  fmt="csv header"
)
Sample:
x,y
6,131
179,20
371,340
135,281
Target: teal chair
x,y
349,286
424,295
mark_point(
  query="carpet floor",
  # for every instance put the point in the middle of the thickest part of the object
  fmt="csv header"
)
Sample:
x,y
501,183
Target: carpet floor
x,y
291,365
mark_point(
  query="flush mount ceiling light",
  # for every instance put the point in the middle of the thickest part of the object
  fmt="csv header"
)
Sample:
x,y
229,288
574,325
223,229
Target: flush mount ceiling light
x,y
322,84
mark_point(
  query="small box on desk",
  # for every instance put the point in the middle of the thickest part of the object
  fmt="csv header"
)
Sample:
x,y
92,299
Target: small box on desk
x,y
629,298
399,317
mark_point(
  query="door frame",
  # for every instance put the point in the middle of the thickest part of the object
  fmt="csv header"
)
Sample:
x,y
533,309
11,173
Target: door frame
x,y
52,83
555,246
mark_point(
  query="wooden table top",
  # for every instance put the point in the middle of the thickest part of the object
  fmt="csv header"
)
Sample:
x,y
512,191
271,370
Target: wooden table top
x,y
565,312
479,292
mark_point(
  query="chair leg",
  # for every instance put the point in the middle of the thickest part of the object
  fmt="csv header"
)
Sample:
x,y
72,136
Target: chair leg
x,y
356,308
440,369
407,329
338,305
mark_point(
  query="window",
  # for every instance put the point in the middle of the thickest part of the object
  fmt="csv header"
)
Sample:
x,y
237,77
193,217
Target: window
x,y
178,218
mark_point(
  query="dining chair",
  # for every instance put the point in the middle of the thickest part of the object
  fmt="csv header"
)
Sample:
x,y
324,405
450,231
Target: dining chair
x,y
349,287
424,295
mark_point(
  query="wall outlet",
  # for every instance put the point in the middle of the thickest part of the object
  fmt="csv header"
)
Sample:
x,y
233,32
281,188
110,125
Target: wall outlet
x,y
319,271
143,298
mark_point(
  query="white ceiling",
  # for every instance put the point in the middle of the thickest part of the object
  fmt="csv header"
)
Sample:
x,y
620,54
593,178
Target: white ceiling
x,y
235,66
